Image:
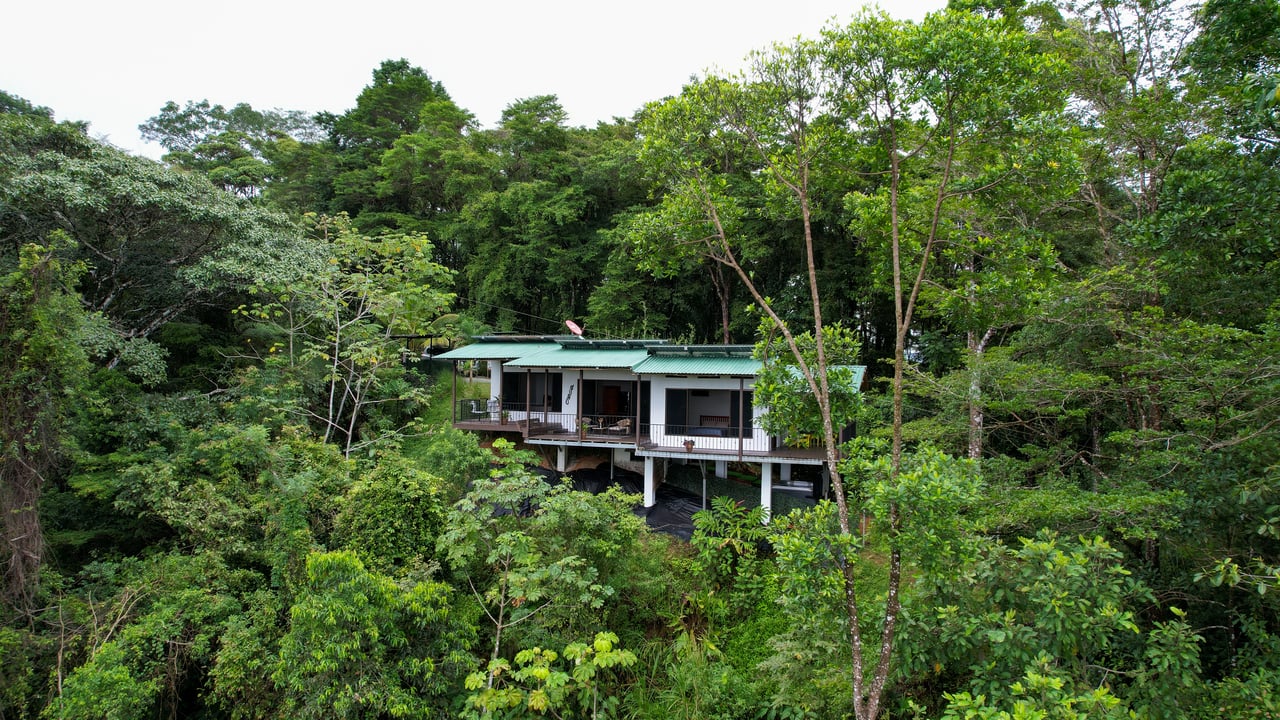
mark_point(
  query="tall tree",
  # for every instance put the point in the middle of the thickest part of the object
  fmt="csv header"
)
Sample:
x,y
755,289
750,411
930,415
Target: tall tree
x,y
535,251
1235,59
428,176
914,92
157,243
1125,58
387,109
234,148
996,261
338,331
774,115
41,360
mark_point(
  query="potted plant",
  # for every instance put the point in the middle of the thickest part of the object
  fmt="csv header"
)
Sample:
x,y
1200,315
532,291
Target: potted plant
x,y
688,446
583,426
504,415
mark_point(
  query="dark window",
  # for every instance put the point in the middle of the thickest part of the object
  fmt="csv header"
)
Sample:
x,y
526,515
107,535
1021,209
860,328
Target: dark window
x,y
677,410
542,390
738,411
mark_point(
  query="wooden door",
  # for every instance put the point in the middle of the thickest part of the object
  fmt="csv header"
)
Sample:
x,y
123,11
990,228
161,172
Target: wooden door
x,y
611,400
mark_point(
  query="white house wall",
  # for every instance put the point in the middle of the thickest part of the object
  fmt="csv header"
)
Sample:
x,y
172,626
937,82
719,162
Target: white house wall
x,y
495,379
756,441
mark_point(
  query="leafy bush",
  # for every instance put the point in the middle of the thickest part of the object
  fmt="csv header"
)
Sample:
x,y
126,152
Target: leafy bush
x,y
391,516
359,645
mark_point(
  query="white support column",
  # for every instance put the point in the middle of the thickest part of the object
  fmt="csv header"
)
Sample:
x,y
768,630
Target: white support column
x,y
495,391
562,458
766,489
650,484
722,468
495,379
786,473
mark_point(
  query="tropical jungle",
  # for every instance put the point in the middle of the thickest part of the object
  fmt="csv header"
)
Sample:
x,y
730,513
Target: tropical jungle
x,y
230,487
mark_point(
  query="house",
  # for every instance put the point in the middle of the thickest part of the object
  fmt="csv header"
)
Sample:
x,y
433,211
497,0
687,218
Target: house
x,y
643,401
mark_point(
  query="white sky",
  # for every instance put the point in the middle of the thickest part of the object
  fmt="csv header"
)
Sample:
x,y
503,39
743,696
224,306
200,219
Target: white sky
x,y
116,63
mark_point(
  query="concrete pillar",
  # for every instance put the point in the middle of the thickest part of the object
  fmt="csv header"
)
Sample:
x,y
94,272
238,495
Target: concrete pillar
x,y
766,489
495,379
562,458
650,484
786,473
722,468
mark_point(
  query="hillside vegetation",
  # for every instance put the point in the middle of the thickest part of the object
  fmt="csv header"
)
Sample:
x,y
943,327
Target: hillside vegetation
x,y
1051,232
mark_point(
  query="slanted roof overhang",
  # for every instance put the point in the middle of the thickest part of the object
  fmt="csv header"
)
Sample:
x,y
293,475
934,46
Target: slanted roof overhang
x,y
585,358
585,353
500,347
671,365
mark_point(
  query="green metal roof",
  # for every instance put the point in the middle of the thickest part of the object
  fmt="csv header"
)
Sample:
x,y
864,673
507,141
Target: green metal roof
x,y
652,357
856,374
859,371
644,357
697,365
497,350
567,357
717,360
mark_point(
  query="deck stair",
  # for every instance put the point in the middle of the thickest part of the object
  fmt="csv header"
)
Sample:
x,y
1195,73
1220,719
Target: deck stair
x,y
537,427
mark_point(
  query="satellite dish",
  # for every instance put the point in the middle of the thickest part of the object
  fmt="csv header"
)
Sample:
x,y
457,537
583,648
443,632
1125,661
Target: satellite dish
x,y
573,327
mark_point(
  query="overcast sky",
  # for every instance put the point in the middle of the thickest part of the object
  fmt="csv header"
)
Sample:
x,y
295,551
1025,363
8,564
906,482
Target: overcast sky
x,y
116,63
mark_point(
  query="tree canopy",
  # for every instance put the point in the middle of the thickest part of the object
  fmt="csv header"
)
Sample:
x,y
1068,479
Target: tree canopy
x,y
1047,229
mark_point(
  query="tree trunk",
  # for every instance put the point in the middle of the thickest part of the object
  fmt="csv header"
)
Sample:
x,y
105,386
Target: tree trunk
x,y
20,486
721,285
977,350
39,369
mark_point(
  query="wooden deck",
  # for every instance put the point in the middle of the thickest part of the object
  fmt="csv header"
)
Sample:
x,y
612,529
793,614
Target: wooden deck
x,y
801,456
543,433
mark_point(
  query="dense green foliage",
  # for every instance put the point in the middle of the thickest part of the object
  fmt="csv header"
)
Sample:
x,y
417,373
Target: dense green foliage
x,y
227,489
